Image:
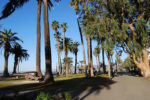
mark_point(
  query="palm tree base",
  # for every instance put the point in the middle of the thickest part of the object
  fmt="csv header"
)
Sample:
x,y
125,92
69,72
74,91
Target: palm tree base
x,y
48,79
5,74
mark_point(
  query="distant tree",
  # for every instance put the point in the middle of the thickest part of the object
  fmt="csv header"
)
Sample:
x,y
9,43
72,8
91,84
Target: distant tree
x,y
129,64
68,63
55,26
96,55
67,45
96,52
74,49
118,61
8,39
19,55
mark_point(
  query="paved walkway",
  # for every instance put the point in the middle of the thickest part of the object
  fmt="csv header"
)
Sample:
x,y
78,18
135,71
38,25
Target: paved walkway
x,y
125,88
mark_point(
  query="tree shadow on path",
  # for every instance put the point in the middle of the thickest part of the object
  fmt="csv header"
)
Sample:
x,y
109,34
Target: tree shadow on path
x,y
76,87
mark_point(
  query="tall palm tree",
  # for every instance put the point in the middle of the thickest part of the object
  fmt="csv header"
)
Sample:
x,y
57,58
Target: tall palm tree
x,y
64,27
8,39
74,3
48,59
74,49
57,35
90,56
20,54
38,40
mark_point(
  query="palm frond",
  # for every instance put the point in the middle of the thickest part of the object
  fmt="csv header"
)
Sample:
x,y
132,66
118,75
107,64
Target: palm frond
x,y
11,6
16,38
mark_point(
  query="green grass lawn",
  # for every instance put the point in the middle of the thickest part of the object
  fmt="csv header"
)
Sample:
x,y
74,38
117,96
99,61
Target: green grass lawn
x,y
62,83
12,79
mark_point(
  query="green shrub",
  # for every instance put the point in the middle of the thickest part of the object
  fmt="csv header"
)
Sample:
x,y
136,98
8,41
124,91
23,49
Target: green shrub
x,y
60,96
43,96
67,96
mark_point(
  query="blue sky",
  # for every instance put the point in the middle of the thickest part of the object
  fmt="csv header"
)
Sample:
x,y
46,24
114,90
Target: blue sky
x,y
23,21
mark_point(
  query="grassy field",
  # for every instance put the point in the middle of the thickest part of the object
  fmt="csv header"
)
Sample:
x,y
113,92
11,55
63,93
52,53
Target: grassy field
x,y
62,83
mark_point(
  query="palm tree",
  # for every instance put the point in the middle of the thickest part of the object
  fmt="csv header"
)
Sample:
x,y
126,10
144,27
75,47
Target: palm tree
x,y
64,27
57,35
38,42
11,6
74,3
74,49
20,54
68,63
97,51
8,39
48,59
67,45
55,26
89,45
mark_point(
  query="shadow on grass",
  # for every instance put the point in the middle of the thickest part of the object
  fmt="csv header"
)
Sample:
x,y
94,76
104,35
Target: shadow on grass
x,y
75,87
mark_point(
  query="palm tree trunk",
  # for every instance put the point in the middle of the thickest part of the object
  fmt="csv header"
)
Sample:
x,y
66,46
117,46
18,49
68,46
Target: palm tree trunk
x,y
38,42
64,47
18,64
81,36
96,62
67,70
109,65
99,64
48,75
58,53
75,70
91,59
61,66
88,53
6,55
15,65
104,67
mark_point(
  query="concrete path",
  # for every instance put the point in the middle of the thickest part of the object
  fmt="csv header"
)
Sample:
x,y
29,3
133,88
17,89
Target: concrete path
x,y
125,88
18,82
